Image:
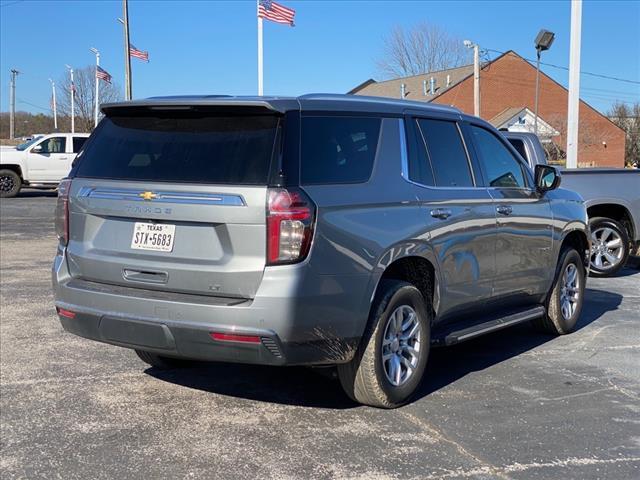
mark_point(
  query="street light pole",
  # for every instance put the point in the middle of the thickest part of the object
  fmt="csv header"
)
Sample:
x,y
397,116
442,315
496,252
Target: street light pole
x,y
543,42
535,118
97,53
53,105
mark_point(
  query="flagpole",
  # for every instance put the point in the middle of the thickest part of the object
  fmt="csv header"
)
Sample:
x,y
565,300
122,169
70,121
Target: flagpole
x,y
95,50
55,109
73,108
260,65
73,95
127,52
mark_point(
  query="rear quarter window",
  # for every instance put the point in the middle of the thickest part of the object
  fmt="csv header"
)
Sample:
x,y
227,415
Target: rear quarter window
x,y
338,149
519,146
77,143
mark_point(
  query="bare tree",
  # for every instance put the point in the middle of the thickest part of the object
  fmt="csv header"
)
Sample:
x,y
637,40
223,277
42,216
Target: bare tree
x,y
85,83
422,49
589,135
628,119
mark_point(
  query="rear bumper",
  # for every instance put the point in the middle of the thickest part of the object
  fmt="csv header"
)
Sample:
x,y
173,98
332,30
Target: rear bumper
x,y
183,339
293,328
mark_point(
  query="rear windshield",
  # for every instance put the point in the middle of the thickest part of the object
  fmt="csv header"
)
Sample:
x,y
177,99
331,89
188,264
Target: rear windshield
x,y
181,147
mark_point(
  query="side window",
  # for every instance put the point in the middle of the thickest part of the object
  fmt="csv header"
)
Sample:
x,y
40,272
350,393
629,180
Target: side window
x,y
501,167
77,143
446,152
519,146
338,149
420,170
53,145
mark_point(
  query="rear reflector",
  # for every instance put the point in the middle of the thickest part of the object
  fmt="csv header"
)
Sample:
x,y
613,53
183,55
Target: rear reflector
x,y
65,313
232,337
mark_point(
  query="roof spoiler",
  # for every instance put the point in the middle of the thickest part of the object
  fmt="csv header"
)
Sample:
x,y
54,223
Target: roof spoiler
x,y
194,104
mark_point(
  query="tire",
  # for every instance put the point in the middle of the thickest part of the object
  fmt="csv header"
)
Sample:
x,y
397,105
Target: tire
x,y
561,317
366,379
10,183
609,246
160,362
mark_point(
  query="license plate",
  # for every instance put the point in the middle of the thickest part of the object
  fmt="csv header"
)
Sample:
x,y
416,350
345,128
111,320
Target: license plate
x,y
153,236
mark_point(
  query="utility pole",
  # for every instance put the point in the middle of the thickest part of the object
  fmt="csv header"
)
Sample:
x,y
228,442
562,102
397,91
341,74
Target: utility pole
x,y
12,103
73,97
128,89
95,50
476,76
476,80
53,105
573,114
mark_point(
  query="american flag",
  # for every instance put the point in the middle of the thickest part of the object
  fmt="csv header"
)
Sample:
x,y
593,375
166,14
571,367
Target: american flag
x,y
134,52
72,88
275,12
102,74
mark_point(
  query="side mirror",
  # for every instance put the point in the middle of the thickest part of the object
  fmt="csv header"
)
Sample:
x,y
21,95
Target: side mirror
x,y
37,149
547,178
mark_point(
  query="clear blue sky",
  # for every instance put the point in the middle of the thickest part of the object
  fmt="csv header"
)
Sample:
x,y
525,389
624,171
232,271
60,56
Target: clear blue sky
x,y
210,46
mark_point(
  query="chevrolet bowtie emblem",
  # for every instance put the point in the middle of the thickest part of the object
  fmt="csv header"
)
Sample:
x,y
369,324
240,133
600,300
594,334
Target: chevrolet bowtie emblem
x,y
147,195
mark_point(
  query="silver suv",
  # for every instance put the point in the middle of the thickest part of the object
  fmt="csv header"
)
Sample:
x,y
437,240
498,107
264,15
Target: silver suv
x,y
321,230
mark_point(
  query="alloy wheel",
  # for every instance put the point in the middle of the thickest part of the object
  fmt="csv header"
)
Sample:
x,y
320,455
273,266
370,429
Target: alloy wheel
x,y
401,345
607,249
570,291
6,183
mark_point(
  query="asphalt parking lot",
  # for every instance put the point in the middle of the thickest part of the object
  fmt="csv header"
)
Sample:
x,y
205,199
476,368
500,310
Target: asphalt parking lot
x,y
516,404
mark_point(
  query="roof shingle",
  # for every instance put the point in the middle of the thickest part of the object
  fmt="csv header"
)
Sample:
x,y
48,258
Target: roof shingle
x,y
414,85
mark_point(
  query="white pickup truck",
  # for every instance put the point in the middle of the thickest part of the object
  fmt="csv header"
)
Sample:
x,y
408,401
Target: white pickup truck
x,y
39,163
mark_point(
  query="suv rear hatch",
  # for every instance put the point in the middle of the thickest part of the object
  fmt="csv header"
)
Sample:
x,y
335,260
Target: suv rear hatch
x,y
174,199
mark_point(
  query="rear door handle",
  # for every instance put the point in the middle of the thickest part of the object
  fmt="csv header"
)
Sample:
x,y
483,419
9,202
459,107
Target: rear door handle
x,y
504,209
441,213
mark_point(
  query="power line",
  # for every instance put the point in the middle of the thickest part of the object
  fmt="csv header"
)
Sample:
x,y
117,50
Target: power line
x,y
33,105
507,79
612,92
635,82
10,3
610,100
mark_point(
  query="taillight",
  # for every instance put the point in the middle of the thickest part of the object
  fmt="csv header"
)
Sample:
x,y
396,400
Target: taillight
x,y
62,211
290,216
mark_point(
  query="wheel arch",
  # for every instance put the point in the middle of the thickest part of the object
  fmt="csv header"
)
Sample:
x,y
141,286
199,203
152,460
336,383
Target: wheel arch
x,y
13,167
617,211
577,239
416,267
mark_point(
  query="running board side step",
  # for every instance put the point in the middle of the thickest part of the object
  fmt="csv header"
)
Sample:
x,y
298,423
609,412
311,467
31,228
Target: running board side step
x,y
493,325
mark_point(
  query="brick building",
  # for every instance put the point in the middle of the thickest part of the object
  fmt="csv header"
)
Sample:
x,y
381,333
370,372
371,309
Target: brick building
x,y
507,100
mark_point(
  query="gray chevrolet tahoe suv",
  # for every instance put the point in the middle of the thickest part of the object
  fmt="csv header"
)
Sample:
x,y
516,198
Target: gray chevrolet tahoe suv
x,y
321,230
